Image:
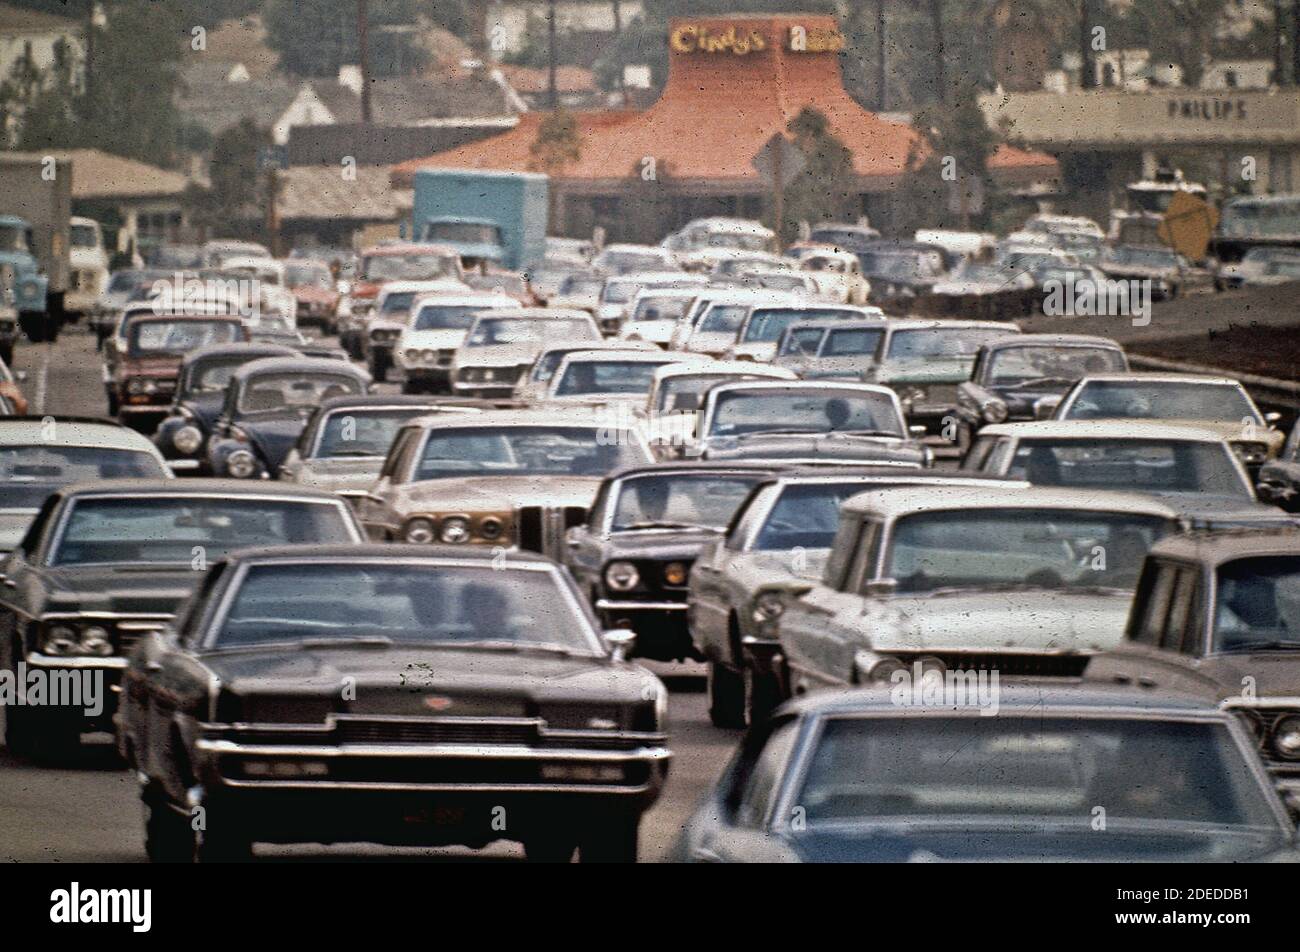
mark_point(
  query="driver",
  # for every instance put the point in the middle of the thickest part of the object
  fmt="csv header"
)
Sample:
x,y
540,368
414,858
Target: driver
x,y
837,413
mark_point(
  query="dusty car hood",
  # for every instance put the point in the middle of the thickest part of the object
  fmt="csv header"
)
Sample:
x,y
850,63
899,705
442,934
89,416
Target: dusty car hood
x,y
120,588
338,475
13,526
753,569
498,493
503,355
398,679
932,370
1012,622
829,446
665,544
432,340
1274,673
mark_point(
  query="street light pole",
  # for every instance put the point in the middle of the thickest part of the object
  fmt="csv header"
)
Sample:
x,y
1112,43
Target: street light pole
x,y
553,96
363,44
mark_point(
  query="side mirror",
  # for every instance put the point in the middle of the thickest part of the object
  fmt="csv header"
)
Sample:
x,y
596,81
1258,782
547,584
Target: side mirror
x,y
621,641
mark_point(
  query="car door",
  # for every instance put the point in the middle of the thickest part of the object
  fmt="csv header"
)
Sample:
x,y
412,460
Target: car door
x,y
22,588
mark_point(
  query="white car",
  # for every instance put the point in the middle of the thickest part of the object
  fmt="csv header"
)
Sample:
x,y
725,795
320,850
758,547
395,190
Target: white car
x,y
436,326
611,376
758,336
532,387
717,316
501,346
625,259
838,275
87,265
619,290
655,312
675,391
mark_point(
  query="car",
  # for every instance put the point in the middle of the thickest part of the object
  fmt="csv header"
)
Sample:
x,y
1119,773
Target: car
x,y
837,275
503,479
1013,374
1254,264
633,555
1028,582
858,777
220,250
379,264
1218,403
481,692
512,284
1190,468
829,350
1279,479
104,562
612,377
533,385
390,317
854,238
757,336
902,271
654,313
982,290
675,391
344,444
200,394
925,362
315,291
775,547
580,290
619,259
716,315
39,455
267,405
1217,616
1165,268
1275,272
145,372
619,290
500,347
804,420
435,328
124,286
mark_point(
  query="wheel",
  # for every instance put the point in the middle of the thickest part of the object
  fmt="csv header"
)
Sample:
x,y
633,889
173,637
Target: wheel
x,y
20,739
762,695
167,834
550,847
379,369
610,838
726,696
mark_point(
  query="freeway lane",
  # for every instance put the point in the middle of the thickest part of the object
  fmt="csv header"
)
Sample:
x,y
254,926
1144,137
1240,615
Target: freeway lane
x,y
90,812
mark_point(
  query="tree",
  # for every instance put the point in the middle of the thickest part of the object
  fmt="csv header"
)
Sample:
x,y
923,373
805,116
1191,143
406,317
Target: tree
x,y
1181,32
958,143
827,189
556,147
235,202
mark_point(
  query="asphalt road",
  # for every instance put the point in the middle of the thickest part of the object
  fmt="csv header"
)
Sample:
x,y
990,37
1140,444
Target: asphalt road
x,y
90,811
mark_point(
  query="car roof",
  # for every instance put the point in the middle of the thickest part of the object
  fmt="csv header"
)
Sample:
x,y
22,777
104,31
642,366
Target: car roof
x,y
76,431
373,400
240,348
431,286
725,368
465,296
1223,545
1054,340
537,313
777,385
874,323
903,500
298,364
1121,429
388,551
197,487
702,467
579,416
1153,377
913,323
633,355
1027,698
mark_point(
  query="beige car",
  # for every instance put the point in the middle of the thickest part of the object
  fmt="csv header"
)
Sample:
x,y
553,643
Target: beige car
x,y
516,479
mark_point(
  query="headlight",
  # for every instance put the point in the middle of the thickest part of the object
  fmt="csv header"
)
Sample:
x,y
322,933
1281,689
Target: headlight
x,y
676,573
490,528
427,356
95,641
61,640
187,439
419,531
1286,738
412,355
241,464
768,606
995,411
454,530
1251,452
141,385
872,667
621,576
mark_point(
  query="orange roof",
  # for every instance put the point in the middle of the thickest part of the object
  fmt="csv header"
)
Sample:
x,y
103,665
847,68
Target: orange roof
x,y
717,110
568,79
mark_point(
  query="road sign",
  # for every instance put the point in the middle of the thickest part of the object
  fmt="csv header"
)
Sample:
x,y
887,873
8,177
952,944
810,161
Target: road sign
x,y
1188,225
272,156
781,158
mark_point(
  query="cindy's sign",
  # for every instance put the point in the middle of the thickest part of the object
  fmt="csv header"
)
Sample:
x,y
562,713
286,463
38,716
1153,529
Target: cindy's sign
x,y
693,38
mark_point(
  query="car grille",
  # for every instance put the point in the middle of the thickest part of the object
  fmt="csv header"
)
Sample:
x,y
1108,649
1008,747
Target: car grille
x,y
1007,665
435,731
541,528
651,572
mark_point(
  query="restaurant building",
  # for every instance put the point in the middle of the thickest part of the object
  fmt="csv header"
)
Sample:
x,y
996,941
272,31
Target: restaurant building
x,y
733,82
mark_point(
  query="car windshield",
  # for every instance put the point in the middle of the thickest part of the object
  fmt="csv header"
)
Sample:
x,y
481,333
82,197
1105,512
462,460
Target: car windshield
x,y
805,411
445,317
30,473
582,284
1150,400
801,342
123,281
661,308
1258,604
412,603
397,302
1011,366
272,392
361,432
767,324
855,342
690,500
619,292
83,236
183,530
180,337
13,238
211,375
1036,548
723,319
493,331
682,394
414,267
526,451
607,376
944,343
308,276
1141,465
1147,772
805,517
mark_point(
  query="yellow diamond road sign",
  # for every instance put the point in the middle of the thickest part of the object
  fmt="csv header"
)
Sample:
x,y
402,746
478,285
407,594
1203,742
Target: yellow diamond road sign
x,y
1188,225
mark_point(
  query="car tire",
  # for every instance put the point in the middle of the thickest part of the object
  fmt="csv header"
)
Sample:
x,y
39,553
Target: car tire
x,y
610,838
20,739
167,834
378,370
762,695
726,689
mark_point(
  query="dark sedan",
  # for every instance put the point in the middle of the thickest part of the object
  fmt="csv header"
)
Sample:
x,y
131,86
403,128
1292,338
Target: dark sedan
x,y
391,694
104,563
267,404
200,394
1059,775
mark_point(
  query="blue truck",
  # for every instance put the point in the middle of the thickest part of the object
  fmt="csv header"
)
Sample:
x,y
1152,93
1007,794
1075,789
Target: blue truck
x,y
35,215
494,219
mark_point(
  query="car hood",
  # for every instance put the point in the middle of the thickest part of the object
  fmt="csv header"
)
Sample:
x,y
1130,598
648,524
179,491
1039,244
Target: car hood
x,y
498,355
828,446
339,474
13,526
1030,622
658,544
1273,673
778,567
710,341
147,589
206,407
274,437
498,493
759,350
398,680
933,370
433,339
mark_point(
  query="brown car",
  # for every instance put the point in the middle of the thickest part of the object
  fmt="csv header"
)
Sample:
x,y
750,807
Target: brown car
x,y
315,291
144,375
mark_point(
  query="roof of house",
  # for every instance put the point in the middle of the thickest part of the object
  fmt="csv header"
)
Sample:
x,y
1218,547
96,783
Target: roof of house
x,y
568,79
716,113
101,175
321,192
215,104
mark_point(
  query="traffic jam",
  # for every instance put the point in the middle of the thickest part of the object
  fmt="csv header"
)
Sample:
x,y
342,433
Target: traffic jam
x,y
739,545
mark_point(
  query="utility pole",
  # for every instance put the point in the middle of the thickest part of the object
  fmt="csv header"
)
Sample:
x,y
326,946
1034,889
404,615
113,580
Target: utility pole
x,y
553,93
882,87
1087,71
89,68
940,73
363,44
1295,46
